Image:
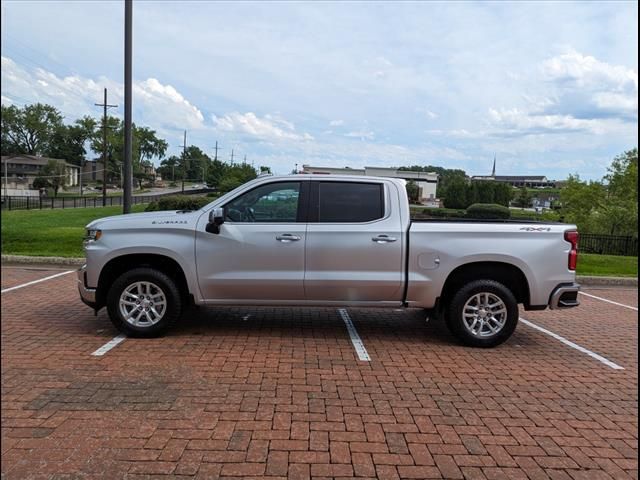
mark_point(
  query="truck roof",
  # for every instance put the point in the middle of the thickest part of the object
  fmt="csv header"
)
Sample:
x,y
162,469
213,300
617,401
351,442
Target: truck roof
x,y
332,176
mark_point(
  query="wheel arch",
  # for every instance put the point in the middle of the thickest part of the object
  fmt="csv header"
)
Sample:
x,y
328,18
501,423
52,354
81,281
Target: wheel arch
x,y
507,274
119,265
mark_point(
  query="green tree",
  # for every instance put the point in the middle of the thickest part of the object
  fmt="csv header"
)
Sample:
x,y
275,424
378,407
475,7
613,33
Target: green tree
x,y
580,201
55,172
41,182
523,199
228,183
30,129
455,195
502,193
618,215
69,141
413,191
215,173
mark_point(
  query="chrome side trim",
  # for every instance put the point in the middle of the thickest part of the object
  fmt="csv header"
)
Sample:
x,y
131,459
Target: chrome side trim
x,y
556,303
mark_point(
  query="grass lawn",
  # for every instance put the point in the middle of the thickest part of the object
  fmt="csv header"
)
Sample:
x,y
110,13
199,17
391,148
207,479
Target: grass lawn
x,y
50,233
607,265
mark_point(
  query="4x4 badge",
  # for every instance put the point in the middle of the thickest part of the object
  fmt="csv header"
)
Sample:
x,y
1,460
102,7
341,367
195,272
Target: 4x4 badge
x,y
536,229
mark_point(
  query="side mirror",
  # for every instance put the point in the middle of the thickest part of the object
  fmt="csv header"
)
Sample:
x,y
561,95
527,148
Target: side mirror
x,y
216,218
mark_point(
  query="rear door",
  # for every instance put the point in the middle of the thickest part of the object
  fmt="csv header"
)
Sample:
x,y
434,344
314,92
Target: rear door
x,y
354,242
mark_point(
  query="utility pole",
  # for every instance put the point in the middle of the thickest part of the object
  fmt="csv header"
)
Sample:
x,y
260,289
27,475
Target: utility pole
x,y
104,146
128,91
184,158
215,157
232,157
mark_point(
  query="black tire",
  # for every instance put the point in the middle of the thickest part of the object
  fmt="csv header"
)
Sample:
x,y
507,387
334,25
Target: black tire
x,y
170,313
455,320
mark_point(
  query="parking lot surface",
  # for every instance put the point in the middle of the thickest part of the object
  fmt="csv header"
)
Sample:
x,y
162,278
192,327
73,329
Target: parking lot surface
x,y
282,393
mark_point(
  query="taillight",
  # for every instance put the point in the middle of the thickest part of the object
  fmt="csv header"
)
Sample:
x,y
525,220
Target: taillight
x,y
572,236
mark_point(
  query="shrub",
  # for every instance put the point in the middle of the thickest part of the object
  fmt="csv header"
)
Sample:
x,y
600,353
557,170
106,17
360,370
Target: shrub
x,y
178,202
213,194
490,211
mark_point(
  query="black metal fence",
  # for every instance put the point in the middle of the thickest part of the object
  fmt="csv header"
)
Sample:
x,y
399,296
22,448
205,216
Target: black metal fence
x,y
39,203
609,244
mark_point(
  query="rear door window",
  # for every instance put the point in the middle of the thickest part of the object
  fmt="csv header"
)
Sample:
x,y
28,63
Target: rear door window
x,y
349,202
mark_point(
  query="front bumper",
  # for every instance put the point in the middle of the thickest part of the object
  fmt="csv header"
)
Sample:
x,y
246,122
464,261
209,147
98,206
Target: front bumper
x,y
564,296
87,295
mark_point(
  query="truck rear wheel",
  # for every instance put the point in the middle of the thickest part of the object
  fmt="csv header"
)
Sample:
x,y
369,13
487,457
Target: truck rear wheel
x,y
483,313
143,302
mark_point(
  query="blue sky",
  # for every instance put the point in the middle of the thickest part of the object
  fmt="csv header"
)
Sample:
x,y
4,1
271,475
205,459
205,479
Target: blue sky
x,y
550,88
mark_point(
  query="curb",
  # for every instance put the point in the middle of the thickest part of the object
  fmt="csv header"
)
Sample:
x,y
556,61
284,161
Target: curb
x,y
607,281
23,259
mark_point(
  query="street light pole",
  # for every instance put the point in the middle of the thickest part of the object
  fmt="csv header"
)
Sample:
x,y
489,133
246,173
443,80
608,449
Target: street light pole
x,y
128,52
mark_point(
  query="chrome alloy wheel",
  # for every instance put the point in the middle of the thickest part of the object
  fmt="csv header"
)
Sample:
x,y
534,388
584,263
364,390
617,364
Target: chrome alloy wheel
x,y
484,314
142,304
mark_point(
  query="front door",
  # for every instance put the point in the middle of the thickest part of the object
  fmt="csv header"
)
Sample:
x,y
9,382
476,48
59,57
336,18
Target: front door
x,y
259,252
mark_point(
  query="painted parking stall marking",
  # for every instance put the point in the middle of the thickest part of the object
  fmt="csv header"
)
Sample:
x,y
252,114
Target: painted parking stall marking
x,y
36,281
609,301
109,345
363,355
569,343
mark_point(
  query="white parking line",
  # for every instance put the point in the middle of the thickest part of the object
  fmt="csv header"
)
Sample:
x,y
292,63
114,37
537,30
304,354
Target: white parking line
x,y
609,301
109,345
355,338
36,281
569,343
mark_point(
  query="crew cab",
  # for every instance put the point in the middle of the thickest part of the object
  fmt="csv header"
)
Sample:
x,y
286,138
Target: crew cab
x,y
326,240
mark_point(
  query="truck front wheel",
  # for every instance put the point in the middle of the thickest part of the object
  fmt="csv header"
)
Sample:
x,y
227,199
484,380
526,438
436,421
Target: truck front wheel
x,y
143,302
483,313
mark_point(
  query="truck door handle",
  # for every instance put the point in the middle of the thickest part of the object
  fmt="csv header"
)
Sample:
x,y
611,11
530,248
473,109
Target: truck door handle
x,y
383,239
287,237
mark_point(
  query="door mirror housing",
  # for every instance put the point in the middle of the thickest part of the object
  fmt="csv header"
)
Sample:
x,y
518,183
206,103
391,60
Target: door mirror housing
x,y
216,218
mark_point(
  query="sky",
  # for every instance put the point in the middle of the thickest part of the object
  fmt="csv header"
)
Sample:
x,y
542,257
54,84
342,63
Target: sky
x,y
548,88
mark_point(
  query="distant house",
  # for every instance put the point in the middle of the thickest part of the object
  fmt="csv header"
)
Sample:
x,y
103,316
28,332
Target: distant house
x,y
21,170
92,170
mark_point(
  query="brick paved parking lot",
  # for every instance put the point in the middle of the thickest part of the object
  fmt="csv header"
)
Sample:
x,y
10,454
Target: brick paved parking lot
x,y
281,393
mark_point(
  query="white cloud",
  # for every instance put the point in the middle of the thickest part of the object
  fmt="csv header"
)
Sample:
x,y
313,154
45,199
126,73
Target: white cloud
x,y
525,123
361,134
166,100
268,128
336,123
155,105
589,88
587,71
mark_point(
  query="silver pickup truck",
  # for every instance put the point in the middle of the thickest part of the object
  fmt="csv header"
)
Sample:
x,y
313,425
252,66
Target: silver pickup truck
x,y
326,240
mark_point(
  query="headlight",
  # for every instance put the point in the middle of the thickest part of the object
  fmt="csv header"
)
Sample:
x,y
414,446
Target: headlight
x,y
92,235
